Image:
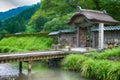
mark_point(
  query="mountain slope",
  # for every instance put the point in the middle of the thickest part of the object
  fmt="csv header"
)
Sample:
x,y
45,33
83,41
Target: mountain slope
x,y
12,12
17,23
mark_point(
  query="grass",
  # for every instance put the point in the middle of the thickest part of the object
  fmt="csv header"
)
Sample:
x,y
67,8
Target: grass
x,y
93,68
115,52
73,62
103,65
112,54
23,44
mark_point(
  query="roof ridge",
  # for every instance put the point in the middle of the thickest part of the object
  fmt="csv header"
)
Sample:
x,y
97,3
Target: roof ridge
x,y
80,9
92,11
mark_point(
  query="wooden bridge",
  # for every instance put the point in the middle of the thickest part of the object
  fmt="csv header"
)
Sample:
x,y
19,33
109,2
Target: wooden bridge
x,y
31,56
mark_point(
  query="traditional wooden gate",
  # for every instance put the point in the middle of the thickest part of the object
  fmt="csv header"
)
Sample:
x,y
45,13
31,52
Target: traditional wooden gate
x,y
83,37
96,40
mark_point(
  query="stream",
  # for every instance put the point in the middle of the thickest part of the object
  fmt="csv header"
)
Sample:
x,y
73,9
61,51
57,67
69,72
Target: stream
x,y
10,72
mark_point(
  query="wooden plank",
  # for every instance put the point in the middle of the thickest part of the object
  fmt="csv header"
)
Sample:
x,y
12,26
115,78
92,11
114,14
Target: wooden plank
x,y
32,56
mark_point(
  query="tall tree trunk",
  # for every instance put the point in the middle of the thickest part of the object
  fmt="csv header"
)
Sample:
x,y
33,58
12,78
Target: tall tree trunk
x,y
85,3
96,2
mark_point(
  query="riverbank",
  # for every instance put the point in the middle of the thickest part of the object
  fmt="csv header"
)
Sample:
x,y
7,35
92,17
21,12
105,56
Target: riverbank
x,y
94,65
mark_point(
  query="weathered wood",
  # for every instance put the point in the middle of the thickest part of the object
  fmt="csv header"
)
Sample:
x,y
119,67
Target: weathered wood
x,y
29,66
83,37
78,36
20,67
32,56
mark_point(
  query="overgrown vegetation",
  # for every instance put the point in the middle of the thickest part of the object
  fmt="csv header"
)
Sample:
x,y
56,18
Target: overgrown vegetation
x,y
92,68
58,10
21,44
52,15
19,22
41,34
111,54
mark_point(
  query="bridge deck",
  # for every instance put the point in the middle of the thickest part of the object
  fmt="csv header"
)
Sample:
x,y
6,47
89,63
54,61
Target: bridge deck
x,y
16,57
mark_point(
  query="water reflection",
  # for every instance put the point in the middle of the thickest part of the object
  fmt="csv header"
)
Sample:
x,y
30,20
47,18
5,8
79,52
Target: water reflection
x,y
8,72
57,75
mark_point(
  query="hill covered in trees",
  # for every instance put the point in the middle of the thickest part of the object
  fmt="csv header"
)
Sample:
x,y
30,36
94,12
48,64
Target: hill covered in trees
x,y
52,15
57,12
18,23
12,12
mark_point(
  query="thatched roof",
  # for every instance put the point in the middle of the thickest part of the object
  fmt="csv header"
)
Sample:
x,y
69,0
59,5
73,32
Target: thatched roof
x,y
91,16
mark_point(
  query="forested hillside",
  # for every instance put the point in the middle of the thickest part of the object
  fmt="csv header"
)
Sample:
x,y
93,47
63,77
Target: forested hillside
x,y
18,23
51,15
12,12
57,12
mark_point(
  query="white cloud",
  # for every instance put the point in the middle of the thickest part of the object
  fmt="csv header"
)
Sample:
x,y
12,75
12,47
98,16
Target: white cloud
x,y
9,4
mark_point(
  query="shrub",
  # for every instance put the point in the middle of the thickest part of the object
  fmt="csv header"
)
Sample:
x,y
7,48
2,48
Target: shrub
x,y
106,54
93,68
73,62
114,72
15,44
93,54
4,49
101,69
88,68
42,34
115,52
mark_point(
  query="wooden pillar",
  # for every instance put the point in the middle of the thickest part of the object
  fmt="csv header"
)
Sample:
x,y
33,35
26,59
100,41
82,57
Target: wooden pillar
x,y
29,66
101,36
93,39
78,36
20,67
29,70
59,36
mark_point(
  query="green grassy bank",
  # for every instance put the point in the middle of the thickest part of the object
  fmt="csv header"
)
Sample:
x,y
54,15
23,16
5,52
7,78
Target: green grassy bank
x,y
110,54
93,68
23,44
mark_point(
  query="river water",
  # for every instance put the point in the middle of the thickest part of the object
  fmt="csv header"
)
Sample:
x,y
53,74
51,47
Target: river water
x,y
9,72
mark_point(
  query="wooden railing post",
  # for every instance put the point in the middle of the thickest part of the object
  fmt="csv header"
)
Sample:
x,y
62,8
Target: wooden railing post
x,y
20,67
29,66
69,48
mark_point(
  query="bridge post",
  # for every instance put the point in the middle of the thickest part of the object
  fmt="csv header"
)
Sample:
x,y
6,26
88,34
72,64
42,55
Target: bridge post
x,y
29,66
20,67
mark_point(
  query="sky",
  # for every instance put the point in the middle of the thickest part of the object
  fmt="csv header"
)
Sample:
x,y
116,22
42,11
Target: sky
x,y
9,4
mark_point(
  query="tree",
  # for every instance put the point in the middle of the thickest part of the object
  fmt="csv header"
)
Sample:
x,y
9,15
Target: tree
x,y
40,23
0,24
112,7
3,33
54,8
97,4
30,28
18,22
58,23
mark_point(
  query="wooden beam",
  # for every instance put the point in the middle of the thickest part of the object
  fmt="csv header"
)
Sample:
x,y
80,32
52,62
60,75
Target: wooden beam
x,y
78,36
20,67
29,66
